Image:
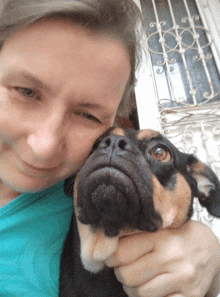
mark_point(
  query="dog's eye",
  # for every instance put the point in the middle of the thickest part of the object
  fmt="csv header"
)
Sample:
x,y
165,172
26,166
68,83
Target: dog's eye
x,y
160,154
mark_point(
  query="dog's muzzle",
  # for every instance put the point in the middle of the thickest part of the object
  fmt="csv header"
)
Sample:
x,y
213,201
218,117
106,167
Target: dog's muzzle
x,y
112,193
115,189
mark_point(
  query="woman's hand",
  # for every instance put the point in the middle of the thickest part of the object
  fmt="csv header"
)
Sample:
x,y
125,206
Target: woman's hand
x,y
177,262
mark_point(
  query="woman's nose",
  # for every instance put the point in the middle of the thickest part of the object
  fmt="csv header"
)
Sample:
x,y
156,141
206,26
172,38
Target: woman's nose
x,y
48,138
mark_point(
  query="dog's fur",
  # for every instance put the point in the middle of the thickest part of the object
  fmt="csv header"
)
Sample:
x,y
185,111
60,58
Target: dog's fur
x,y
133,180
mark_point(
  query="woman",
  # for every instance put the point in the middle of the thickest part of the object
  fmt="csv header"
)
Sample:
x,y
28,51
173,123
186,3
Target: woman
x,y
67,70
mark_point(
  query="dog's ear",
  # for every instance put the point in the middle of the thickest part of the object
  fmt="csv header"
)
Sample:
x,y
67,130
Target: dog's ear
x,y
208,186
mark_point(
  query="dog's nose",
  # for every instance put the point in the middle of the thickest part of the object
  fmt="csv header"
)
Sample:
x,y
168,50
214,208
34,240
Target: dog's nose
x,y
115,142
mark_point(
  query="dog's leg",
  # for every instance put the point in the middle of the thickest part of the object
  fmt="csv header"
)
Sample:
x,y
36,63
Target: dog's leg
x,y
76,281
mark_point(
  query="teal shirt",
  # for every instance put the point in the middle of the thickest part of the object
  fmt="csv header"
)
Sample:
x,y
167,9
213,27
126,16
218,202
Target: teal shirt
x,y
32,232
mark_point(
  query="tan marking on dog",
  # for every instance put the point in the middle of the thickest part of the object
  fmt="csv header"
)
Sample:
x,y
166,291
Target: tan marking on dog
x,y
199,171
147,133
118,131
95,247
172,205
204,185
197,167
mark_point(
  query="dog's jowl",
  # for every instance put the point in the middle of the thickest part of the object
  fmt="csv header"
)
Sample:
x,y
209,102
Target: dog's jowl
x,y
132,180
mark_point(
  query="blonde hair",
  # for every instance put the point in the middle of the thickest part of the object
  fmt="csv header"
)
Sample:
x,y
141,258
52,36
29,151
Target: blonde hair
x,y
116,18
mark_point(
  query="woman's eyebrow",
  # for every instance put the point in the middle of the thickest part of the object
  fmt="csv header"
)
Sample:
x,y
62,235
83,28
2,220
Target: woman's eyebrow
x,y
19,74
91,105
106,113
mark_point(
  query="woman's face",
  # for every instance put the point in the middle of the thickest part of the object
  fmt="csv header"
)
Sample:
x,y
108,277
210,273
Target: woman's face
x,y
60,88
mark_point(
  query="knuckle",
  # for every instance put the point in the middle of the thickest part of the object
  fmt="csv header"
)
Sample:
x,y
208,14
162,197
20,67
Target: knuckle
x,y
189,273
125,277
140,292
196,293
175,295
174,253
127,290
120,256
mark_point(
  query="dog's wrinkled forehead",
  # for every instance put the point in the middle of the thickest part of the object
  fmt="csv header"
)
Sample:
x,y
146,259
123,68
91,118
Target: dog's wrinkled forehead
x,y
135,136
142,138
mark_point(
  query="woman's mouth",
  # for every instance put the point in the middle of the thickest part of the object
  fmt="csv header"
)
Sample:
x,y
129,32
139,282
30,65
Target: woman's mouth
x,y
35,171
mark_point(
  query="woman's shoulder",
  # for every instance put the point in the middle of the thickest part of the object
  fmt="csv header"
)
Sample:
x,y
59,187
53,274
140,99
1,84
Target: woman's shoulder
x,y
32,234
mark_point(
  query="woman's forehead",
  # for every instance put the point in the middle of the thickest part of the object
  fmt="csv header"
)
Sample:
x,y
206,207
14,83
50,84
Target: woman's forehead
x,y
58,29
67,43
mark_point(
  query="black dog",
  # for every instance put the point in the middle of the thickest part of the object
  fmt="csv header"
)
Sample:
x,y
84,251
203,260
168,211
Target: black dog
x,y
133,180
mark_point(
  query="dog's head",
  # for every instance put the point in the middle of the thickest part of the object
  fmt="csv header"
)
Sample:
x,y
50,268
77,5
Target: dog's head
x,y
138,180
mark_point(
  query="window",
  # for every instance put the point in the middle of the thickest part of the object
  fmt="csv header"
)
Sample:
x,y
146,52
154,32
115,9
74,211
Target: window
x,y
180,47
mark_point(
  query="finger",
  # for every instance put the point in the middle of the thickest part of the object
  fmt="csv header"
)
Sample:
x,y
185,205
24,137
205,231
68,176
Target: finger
x,y
142,270
130,248
132,292
175,295
162,285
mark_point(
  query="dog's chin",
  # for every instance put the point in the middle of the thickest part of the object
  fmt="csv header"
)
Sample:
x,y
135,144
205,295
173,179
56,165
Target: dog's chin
x,y
112,192
110,200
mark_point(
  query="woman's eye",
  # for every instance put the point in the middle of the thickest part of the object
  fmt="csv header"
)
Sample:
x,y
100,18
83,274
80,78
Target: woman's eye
x,y
26,92
161,154
89,117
